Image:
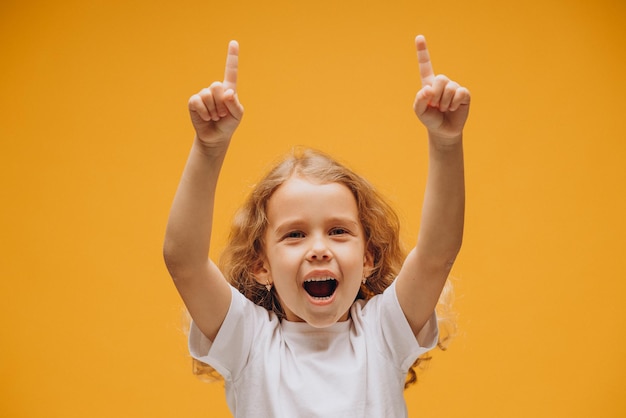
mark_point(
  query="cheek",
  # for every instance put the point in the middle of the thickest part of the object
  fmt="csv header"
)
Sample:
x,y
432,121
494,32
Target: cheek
x,y
352,258
284,258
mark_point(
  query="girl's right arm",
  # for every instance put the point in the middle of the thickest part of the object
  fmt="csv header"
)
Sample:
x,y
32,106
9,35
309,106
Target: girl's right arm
x,y
215,114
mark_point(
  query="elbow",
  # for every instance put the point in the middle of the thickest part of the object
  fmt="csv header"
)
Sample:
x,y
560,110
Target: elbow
x,y
447,253
450,256
439,261
181,264
448,264
173,261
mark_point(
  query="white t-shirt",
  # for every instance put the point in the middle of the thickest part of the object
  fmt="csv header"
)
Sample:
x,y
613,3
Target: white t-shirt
x,y
355,368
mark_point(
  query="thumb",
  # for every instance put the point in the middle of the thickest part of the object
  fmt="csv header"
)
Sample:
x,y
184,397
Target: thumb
x,y
231,100
420,106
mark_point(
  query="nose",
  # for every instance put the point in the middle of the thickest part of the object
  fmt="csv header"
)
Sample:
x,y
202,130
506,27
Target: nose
x,y
319,250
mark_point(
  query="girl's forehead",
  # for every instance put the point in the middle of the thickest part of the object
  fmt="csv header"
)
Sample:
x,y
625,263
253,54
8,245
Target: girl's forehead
x,y
300,194
298,185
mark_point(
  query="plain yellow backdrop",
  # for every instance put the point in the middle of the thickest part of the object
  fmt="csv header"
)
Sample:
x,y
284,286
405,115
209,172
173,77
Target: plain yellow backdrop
x,y
94,134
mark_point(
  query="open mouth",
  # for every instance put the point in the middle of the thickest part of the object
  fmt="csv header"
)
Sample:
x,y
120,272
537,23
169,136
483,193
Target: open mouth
x,y
321,288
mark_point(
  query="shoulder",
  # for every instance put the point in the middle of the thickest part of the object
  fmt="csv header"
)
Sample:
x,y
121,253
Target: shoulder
x,y
243,328
383,322
384,303
379,314
246,316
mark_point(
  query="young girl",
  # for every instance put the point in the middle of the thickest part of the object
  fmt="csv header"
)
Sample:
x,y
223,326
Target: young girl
x,y
314,312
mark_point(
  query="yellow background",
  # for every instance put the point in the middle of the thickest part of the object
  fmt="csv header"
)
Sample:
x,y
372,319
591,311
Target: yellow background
x,y
94,134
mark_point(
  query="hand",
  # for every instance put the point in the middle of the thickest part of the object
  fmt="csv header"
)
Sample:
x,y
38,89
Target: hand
x,y
442,104
215,111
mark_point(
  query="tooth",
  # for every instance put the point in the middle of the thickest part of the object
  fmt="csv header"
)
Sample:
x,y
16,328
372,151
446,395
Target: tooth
x,y
319,279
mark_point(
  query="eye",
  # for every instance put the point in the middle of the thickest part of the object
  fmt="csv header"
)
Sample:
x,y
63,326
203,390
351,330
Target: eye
x,y
293,235
338,231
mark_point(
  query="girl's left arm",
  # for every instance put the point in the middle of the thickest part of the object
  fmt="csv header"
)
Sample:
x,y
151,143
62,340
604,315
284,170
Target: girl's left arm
x,y
442,105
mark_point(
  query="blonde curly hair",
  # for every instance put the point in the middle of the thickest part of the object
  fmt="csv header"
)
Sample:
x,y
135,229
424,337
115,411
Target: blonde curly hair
x,y
244,251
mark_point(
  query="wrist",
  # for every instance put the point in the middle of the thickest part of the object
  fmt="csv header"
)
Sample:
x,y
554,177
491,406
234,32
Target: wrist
x,y
214,149
445,143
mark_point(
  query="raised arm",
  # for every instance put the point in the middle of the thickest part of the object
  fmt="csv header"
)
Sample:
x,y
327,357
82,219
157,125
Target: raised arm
x,y
215,114
442,106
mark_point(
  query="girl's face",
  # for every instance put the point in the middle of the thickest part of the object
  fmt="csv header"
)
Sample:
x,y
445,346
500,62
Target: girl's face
x,y
314,251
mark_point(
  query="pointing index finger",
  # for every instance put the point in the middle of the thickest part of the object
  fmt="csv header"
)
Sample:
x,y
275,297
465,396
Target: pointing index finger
x,y
423,57
232,66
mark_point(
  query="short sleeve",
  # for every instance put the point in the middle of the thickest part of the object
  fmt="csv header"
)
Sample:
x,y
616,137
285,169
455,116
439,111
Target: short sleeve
x,y
229,352
397,339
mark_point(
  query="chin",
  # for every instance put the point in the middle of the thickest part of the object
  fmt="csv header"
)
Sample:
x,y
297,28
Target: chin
x,y
322,321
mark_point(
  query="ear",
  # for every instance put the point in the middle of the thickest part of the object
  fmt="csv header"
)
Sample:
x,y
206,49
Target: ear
x,y
262,273
368,263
